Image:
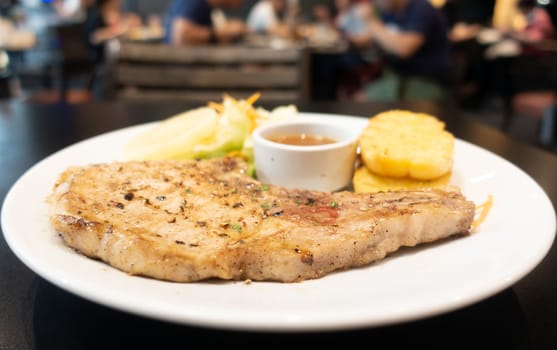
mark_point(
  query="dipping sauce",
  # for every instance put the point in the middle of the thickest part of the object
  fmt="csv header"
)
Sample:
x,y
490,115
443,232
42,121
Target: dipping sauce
x,y
301,139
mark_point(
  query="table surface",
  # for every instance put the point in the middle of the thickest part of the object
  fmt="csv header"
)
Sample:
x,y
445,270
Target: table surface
x,y
34,314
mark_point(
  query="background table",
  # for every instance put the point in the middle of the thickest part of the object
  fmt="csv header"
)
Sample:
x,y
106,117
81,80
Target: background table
x,y
35,314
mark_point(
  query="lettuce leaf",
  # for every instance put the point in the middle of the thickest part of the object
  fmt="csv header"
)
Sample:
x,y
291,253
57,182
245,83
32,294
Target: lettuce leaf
x,y
205,132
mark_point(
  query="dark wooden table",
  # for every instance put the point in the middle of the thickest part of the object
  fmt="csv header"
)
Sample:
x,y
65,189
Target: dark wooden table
x,y
34,314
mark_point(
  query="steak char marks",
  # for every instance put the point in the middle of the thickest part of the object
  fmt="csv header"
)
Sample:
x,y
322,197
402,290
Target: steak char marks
x,y
187,221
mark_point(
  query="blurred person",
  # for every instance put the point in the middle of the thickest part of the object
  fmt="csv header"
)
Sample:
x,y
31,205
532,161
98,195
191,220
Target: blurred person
x,y
275,17
521,46
413,36
352,16
195,22
521,26
341,74
105,21
359,65
538,26
528,67
347,16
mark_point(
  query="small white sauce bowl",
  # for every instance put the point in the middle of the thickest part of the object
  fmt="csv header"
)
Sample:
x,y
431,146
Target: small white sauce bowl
x,y
327,167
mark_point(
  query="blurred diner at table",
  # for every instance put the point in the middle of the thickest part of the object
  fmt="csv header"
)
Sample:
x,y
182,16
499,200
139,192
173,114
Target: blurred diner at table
x,y
537,25
190,22
342,73
413,37
531,28
105,21
351,16
347,18
274,17
522,65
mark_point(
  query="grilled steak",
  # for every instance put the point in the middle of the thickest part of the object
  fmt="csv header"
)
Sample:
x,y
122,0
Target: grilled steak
x,y
193,220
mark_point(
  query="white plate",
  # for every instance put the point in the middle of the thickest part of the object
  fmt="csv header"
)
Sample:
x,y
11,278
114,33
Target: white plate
x,y
411,284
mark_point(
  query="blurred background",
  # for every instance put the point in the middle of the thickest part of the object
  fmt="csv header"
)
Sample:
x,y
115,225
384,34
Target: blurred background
x,y
494,60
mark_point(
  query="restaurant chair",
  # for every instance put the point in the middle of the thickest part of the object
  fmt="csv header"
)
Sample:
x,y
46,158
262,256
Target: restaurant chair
x,y
160,72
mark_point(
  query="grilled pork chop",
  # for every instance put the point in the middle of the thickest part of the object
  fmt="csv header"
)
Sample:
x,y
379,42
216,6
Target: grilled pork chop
x,y
192,220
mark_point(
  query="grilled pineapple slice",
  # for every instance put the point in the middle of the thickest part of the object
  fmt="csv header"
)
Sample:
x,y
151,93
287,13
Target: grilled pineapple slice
x,y
406,144
367,182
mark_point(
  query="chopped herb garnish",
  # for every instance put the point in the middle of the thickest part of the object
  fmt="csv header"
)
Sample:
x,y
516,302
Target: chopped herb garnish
x,y
161,198
264,187
237,227
334,204
266,206
297,201
234,190
188,190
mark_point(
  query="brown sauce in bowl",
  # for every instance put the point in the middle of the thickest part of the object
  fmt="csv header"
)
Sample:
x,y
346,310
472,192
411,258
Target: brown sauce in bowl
x,y
301,139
